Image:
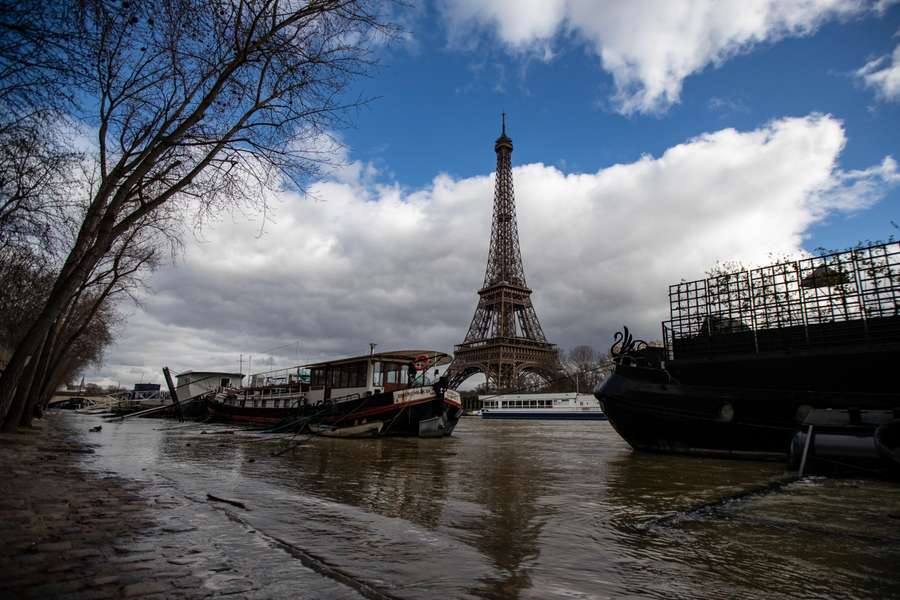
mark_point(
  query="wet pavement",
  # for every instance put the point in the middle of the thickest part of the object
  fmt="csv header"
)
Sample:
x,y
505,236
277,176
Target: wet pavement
x,y
76,532
500,510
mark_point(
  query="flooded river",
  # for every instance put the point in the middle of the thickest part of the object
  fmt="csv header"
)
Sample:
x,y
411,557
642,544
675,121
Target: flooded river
x,y
517,510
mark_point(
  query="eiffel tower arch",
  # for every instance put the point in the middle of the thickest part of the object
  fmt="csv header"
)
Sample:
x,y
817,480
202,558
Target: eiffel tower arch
x,y
505,339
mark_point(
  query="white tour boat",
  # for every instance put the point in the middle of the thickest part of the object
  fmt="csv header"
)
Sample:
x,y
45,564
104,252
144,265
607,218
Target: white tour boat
x,y
560,406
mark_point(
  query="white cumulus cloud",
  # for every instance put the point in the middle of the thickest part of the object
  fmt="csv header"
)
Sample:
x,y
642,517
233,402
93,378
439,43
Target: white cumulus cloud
x,y
360,262
650,46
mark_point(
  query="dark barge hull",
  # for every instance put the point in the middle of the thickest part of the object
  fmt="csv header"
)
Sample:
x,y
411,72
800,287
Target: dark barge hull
x,y
405,419
248,414
653,411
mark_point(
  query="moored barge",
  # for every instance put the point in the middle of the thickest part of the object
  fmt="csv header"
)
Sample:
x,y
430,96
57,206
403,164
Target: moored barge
x,y
378,394
748,355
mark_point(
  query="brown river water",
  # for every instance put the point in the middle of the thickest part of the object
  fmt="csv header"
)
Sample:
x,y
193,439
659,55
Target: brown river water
x,y
514,509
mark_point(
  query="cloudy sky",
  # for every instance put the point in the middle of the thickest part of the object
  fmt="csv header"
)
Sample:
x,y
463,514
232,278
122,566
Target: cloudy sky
x,y
652,139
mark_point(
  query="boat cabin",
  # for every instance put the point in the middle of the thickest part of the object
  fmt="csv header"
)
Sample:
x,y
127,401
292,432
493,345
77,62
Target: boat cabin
x,y
196,383
349,378
567,400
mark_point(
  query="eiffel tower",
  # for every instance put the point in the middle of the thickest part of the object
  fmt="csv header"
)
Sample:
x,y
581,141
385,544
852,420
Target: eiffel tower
x,y
505,339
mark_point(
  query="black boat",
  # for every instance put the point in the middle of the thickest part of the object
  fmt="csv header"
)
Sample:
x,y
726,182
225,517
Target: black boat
x,y
747,355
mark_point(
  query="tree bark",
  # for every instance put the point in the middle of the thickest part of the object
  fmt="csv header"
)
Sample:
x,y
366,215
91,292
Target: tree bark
x,y
38,380
24,387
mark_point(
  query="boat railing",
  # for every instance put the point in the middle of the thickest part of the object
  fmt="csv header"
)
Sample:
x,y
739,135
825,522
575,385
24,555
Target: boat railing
x,y
836,299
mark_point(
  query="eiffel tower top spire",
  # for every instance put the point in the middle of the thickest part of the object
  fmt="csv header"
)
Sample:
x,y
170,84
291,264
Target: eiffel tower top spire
x,y
504,257
503,140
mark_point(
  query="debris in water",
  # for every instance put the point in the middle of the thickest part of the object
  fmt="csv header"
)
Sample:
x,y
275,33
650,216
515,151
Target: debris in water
x,y
237,503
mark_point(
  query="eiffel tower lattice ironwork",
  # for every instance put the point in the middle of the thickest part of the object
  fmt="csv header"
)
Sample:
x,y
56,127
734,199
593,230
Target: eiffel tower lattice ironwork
x,y
505,339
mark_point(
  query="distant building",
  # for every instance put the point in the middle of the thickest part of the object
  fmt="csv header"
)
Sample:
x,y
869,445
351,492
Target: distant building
x,y
146,391
196,383
146,387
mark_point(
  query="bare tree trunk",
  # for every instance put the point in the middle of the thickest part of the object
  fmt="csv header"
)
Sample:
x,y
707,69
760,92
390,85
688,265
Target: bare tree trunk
x,y
28,350
27,381
80,262
38,380
52,381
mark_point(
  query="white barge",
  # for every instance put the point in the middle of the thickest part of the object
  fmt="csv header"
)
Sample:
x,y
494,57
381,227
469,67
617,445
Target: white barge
x,y
559,406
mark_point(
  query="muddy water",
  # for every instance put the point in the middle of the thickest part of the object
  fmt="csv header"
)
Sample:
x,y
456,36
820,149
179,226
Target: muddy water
x,y
524,510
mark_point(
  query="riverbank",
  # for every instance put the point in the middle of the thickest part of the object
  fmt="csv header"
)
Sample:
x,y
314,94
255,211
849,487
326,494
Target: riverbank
x,y
70,531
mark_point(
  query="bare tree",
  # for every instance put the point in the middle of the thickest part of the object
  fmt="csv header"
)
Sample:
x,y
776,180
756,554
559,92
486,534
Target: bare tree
x,y
37,69
199,107
586,367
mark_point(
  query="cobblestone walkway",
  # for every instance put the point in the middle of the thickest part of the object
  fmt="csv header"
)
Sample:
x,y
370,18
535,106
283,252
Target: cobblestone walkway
x,y
71,533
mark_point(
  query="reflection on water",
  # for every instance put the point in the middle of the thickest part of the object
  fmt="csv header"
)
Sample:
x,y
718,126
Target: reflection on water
x,y
532,510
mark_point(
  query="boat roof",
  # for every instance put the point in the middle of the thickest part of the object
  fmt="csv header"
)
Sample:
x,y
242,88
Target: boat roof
x,y
208,373
542,396
435,358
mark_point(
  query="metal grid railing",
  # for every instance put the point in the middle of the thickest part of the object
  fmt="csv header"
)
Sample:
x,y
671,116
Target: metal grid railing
x,y
837,298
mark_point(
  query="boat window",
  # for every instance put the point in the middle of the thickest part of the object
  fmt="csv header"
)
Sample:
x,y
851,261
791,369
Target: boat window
x,y
317,376
243,402
391,373
278,404
225,382
378,374
350,375
404,374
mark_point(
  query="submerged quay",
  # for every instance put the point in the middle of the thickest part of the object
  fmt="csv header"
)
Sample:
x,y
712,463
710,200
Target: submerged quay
x,y
499,510
71,531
